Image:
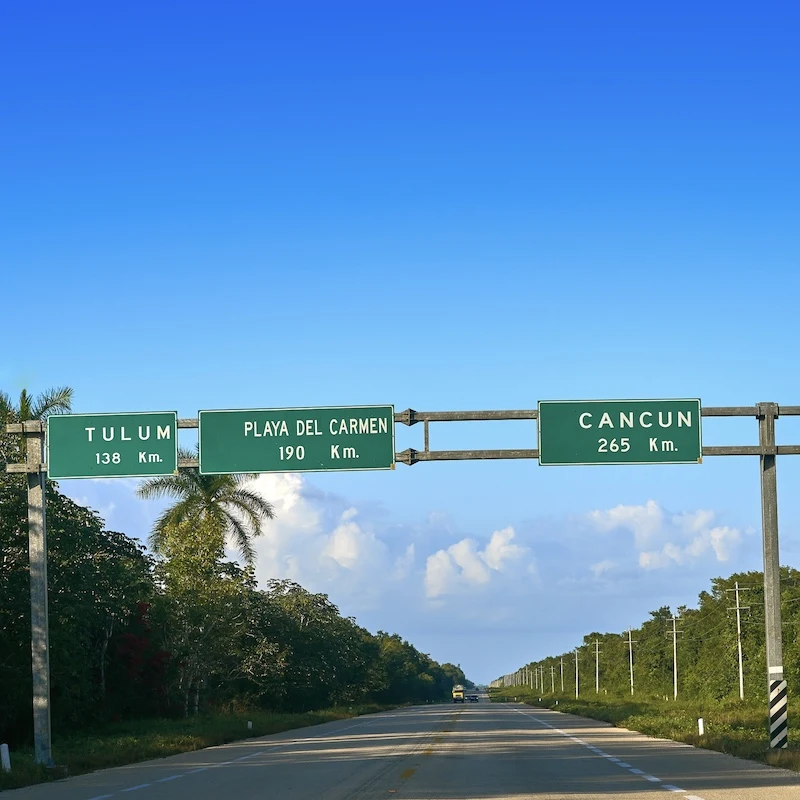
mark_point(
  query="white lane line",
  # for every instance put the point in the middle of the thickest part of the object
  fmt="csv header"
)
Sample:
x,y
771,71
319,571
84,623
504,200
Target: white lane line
x,y
652,778
101,797
134,788
169,778
200,769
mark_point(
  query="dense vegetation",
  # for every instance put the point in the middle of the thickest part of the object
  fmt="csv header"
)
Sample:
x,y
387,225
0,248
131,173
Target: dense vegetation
x,y
138,635
708,665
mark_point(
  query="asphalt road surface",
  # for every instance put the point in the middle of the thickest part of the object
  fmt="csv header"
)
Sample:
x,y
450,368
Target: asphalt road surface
x,y
443,752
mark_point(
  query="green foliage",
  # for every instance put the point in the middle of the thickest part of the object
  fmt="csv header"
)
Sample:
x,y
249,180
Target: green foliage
x,y
708,667
214,505
183,633
732,727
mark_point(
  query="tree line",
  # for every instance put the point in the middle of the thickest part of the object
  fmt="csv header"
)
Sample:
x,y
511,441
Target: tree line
x,y
178,628
706,640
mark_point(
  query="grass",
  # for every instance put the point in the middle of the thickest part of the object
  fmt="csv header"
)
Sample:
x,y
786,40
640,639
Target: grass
x,y
128,742
732,727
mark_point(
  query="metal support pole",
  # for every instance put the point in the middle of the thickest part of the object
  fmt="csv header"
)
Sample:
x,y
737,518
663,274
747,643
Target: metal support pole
x,y
630,657
739,642
767,413
674,660
597,666
562,674
37,550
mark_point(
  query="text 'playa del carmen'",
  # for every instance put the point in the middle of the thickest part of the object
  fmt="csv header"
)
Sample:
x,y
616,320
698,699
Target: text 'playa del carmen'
x,y
346,426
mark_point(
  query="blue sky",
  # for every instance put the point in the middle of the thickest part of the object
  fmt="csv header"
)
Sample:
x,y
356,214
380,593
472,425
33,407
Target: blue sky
x,y
435,205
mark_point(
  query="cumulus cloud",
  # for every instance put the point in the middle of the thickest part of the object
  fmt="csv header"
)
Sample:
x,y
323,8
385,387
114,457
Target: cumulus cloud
x,y
463,564
663,540
319,540
645,522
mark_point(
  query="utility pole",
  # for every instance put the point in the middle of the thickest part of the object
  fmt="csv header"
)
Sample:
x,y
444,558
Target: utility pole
x,y
535,677
766,414
552,679
562,674
675,633
576,673
541,678
597,666
37,548
739,608
630,656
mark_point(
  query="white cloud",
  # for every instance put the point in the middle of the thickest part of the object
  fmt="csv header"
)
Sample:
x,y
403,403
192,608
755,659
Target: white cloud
x,y
663,540
463,565
644,522
404,563
440,574
318,540
500,549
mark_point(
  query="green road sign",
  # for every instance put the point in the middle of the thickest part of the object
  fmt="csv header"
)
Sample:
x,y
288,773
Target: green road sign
x,y
112,445
620,432
296,439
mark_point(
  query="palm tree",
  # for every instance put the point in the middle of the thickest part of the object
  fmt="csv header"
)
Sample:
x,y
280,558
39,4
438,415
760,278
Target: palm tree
x,y
53,401
215,502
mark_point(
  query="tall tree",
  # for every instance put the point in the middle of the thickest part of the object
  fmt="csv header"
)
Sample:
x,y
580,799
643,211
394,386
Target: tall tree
x,y
53,401
217,505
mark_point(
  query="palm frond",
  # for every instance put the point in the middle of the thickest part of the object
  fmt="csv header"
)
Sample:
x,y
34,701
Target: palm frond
x,y
53,401
263,508
180,486
241,537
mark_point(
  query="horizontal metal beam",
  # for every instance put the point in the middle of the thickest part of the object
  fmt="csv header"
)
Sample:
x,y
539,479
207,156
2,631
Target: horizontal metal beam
x,y
412,417
412,456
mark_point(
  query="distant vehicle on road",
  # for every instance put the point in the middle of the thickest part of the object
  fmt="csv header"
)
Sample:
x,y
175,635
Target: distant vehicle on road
x,y
458,693
473,698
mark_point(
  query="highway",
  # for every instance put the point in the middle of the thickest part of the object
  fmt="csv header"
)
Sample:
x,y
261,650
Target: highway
x,y
438,752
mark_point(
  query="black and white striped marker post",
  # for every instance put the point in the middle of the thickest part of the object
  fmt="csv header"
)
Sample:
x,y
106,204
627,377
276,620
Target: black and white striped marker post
x,y
778,722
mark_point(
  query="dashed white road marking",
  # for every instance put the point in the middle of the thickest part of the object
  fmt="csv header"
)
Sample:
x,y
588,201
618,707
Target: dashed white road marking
x,y
134,788
652,778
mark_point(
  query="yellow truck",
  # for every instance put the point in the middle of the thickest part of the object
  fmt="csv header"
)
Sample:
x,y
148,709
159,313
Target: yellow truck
x,y
458,693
